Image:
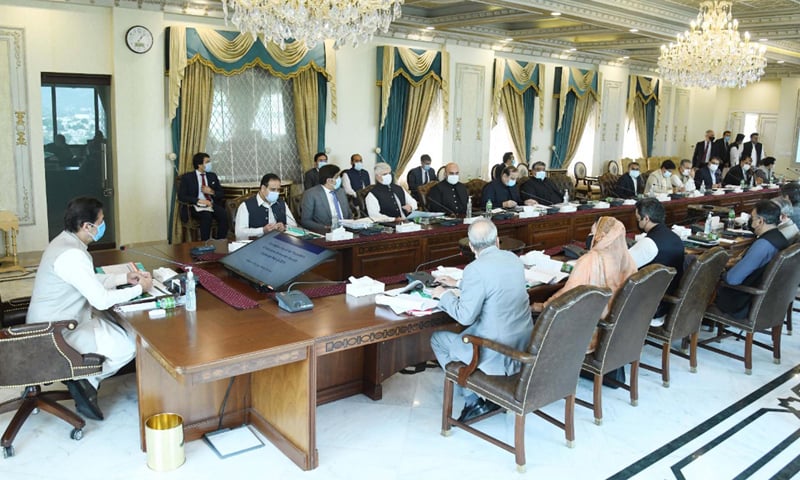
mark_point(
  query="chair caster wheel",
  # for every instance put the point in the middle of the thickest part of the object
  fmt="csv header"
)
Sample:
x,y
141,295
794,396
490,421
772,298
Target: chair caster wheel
x,y
665,384
635,403
598,421
521,469
76,434
776,361
748,371
8,452
447,433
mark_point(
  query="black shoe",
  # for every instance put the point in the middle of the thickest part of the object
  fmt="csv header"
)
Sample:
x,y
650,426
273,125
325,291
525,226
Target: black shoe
x,y
467,410
85,396
481,408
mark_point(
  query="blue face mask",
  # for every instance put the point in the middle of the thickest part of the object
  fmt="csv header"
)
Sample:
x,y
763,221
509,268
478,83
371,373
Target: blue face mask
x,y
101,229
358,166
272,197
208,167
338,183
321,163
426,167
540,175
511,183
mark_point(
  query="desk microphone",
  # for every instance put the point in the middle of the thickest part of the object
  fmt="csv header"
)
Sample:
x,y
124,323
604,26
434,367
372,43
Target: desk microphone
x,y
297,301
177,283
545,202
426,277
125,248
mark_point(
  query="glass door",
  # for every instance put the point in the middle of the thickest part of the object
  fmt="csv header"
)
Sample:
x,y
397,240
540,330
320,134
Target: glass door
x,y
77,151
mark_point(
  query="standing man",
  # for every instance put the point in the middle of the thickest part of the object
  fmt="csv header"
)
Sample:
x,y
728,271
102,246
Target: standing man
x,y
67,288
539,188
311,177
720,148
631,184
709,176
683,180
449,196
493,304
420,176
503,191
660,181
201,189
355,178
702,150
387,201
264,211
661,245
753,149
747,271
324,202
508,161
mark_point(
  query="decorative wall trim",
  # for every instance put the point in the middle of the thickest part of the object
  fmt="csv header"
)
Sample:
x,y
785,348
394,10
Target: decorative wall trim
x,y
16,183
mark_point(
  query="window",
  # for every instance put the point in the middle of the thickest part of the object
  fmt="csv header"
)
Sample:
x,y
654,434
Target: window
x,y
631,147
499,143
431,142
252,128
585,150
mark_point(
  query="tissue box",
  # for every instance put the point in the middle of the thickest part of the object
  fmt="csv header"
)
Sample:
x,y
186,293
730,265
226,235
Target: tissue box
x,y
468,221
568,208
529,213
338,234
364,286
404,228
233,246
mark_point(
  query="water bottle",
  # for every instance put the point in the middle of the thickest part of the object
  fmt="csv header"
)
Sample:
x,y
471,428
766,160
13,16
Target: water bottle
x,y
703,188
489,207
707,229
741,184
469,206
566,196
731,217
167,303
334,223
191,295
652,193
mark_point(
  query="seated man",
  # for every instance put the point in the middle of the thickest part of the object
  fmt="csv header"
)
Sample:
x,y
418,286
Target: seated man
x,y
787,226
683,180
67,288
503,191
355,178
740,173
748,270
631,184
387,201
420,176
263,212
508,161
311,177
658,182
709,176
201,188
763,174
493,304
450,196
791,191
661,246
325,202
539,188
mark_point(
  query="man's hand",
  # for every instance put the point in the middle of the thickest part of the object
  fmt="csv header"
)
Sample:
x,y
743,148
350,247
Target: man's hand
x,y
509,204
207,190
141,278
447,281
274,226
408,208
438,292
204,203
531,201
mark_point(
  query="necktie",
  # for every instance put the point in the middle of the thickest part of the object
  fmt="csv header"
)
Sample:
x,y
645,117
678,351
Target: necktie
x,y
705,152
336,204
424,176
203,176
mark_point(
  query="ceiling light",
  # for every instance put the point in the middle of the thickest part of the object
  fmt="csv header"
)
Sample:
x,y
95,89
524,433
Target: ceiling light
x,y
712,53
625,57
633,30
430,28
555,14
313,21
572,49
508,39
763,39
781,61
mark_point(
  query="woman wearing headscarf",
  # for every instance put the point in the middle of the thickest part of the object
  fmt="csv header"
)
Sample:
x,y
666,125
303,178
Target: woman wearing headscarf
x,y
606,264
735,149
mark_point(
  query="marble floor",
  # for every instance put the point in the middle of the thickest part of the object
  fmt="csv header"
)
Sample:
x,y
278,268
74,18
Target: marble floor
x,y
700,422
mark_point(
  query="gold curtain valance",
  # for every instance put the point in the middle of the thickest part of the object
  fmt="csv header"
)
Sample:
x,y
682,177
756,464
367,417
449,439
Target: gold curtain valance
x,y
226,50
643,90
583,86
419,65
521,75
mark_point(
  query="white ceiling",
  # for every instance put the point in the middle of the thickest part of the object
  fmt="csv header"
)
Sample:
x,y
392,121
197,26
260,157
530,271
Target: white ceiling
x,y
597,30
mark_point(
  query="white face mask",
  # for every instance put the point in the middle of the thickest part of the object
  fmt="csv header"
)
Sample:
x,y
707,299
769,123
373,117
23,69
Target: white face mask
x,y
713,167
321,163
540,175
687,172
452,179
667,174
386,179
358,166
272,197
634,173
745,167
208,167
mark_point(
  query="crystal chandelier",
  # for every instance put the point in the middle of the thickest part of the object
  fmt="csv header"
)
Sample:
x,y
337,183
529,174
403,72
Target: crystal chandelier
x,y
712,53
313,21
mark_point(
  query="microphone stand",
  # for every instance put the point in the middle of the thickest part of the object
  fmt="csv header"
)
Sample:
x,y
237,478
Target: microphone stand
x,y
425,277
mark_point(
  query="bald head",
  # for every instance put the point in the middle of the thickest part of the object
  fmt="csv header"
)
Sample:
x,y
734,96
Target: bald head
x,y
451,168
482,234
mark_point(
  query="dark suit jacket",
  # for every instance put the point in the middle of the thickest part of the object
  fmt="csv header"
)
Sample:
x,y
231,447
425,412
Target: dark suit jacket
x,y
735,176
498,193
625,186
543,191
698,160
747,151
440,198
704,176
414,178
311,178
720,150
316,209
189,190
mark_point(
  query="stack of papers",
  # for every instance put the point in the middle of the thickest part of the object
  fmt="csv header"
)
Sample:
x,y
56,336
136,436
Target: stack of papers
x,y
157,291
535,276
407,303
542,269
359,224
452,272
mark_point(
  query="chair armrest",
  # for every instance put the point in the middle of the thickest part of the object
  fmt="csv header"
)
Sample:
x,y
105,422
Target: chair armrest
x,y
605,325
670,299
38,328
744,288
477,342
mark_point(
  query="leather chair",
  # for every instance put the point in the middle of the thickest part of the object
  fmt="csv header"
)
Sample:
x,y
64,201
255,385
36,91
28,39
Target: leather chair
x,y
613,167
14,311
523,170
688,303
231,206
475,191
362,199
623,332
585,186
769,300
563,182
36,354
189,224
608,185
423,193
441,174
549,372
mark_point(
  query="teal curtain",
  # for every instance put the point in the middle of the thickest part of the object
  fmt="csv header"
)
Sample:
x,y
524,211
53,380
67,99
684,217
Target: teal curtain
x,y
322,94
528,103
176,147
562,132
570,86
644,92
650,113
390,137
526,80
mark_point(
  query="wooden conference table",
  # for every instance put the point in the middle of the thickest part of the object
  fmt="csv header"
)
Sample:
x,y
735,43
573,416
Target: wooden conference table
x,y
280,365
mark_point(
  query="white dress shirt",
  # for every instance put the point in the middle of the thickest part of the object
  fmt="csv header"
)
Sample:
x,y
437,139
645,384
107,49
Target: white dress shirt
x,y
348,188
331,204
374,207
657,180
643,252
243,230
200,194
736,154
685,183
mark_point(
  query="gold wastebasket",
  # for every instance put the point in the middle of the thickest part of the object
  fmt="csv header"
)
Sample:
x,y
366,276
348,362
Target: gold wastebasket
x,y
163,434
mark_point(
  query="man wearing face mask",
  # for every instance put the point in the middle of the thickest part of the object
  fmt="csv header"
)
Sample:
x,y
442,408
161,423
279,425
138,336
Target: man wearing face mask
x,y
661,246
311,178
508,161
660,181
747,271
263,212
355,178
420,176
720,148
753,149
539,188
387,201
631,184
324,202
450,196
740,173
709,176
201,191
683,180
67,288
503,191
702,150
